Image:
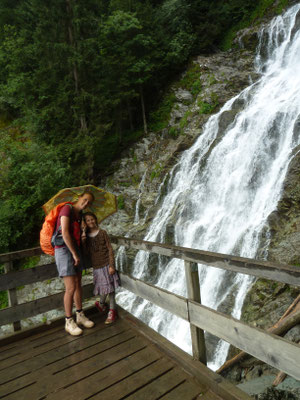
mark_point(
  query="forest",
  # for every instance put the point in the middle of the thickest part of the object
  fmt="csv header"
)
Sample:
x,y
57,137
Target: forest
x,y
81,80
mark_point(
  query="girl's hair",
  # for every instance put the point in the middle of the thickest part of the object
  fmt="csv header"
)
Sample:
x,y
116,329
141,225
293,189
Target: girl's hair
x,y
88,192
91,215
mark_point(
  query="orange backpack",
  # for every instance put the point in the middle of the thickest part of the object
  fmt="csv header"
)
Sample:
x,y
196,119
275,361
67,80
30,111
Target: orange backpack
x,y
48,229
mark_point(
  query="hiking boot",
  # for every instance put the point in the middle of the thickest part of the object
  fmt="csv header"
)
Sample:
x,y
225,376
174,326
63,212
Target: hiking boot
x,y
81,319
72,328
101,307
111,317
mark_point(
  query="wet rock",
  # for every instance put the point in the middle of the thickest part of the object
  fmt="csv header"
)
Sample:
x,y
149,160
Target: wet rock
x,y
247,38
296,25
226,118
276,394
293,334
184,96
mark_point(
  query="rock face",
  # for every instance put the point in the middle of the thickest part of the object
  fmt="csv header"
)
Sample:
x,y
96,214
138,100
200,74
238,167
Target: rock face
x,y
219,77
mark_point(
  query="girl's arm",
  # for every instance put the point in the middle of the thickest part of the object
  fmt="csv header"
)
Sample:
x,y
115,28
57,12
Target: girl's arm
x,y
65,230
111,256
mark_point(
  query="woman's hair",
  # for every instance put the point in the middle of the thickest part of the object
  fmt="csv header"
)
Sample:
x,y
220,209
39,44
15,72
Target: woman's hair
x,y
91,215
88,192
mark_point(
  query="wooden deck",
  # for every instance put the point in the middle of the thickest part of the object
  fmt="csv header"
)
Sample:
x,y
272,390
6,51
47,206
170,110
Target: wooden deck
x,y
126,360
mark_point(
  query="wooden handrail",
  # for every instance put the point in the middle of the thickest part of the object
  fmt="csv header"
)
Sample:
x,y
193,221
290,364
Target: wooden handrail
x,y
261,269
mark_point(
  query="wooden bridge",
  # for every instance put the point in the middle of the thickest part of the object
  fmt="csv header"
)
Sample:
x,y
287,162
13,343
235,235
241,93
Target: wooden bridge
x,y
129,360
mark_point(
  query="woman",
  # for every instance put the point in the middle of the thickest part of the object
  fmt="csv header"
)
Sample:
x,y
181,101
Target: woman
x,y
68,261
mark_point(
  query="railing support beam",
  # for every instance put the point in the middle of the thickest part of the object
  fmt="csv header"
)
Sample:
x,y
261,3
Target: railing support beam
x,y
193,293
12,295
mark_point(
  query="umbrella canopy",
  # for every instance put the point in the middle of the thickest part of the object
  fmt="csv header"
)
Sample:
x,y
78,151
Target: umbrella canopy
x,y
104,205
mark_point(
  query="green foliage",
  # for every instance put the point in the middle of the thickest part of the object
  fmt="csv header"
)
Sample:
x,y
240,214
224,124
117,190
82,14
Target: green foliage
x,y
3,299
156,171
251,15
31,173
208,107
29,262
191,80
184,120
174,132
121,202
159,118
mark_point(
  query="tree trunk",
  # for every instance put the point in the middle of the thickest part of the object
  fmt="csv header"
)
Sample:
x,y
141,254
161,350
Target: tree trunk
x,y
83,124
129,114
143,109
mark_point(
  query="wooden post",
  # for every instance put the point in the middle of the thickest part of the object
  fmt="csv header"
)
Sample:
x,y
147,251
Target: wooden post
x,y
193,293
12,295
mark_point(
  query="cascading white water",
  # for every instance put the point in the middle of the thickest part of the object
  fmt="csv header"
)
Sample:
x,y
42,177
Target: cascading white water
x,y
224,187
137,207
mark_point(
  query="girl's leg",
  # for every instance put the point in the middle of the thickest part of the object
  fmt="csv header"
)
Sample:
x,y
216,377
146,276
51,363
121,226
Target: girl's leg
x,y
70,287
112,314
112,301
78,291
102,298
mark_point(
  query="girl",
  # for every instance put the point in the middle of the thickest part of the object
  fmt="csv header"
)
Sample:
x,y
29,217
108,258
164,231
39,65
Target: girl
x,y
97,245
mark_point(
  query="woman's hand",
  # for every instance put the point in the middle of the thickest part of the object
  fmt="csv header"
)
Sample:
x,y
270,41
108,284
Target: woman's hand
x,y
83,230
111,270
83,226
76,259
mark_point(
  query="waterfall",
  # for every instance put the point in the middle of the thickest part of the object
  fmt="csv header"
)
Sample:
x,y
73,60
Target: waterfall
x,y
137,207
224,187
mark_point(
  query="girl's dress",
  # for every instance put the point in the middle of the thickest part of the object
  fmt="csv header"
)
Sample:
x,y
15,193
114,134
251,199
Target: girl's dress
x,y
99,248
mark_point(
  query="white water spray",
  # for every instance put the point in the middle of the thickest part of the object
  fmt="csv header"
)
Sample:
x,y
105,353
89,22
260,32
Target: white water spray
x,y
224,188
137,207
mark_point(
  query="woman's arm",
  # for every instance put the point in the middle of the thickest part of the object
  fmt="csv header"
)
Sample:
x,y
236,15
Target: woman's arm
x,y
65,230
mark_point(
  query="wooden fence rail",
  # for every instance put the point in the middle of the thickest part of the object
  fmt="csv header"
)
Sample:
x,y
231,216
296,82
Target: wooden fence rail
x,y
269,348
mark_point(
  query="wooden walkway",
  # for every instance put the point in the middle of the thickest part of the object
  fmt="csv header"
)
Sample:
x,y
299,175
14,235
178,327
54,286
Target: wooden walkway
x,y
121,361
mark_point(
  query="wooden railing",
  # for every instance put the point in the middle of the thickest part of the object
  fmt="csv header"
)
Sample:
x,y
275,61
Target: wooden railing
x,y
272,349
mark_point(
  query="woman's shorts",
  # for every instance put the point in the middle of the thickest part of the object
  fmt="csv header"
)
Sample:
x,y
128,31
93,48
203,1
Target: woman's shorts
x,y
65,263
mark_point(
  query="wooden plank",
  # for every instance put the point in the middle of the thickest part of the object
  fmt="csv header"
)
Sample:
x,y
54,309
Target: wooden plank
x,y
77,370
269,348
38,306
135,381
193,293
186,391
14,279
18,255
203,375
169,301
12,295
159,386
210,395
262,269
64,346
70,356
98,382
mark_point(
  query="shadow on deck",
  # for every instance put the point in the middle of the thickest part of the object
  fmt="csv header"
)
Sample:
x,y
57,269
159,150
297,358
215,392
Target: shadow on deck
x,y
127,360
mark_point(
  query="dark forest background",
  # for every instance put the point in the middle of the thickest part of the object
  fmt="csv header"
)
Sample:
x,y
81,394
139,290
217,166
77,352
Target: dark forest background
x,y
80,80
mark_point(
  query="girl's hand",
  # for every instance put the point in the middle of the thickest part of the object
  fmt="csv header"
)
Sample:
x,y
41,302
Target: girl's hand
x,y
111,270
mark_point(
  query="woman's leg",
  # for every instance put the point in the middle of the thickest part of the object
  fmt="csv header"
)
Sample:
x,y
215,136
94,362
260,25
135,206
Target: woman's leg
x,y
70,286
78,291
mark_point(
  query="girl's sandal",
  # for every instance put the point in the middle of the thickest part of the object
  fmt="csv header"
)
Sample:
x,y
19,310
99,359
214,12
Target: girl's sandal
x,y
111,317
102,308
